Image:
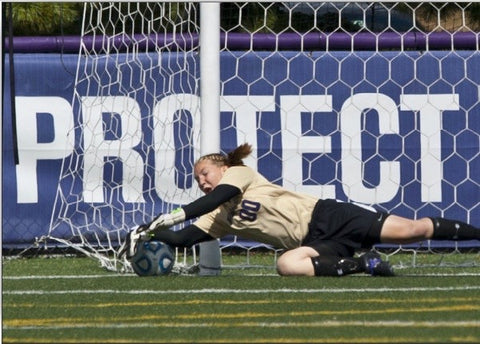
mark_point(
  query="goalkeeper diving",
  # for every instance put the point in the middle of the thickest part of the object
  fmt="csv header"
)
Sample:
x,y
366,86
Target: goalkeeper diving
x,y
320,237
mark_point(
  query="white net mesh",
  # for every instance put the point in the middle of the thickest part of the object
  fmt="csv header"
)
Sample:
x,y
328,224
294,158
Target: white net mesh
x,y
367,102
137,74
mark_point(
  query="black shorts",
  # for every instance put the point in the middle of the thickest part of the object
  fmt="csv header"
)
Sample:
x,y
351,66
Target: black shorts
x,y
338,228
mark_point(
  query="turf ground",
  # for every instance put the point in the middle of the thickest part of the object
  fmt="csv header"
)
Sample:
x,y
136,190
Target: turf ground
x,y
72,300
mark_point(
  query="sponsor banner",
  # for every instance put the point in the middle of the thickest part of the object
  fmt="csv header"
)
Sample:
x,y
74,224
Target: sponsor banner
x,y
396,130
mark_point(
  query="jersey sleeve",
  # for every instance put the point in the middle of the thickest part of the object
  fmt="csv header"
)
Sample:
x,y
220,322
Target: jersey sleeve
x,y
207,203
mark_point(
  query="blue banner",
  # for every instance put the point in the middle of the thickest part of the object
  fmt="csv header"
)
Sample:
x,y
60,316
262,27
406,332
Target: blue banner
x,y
396,130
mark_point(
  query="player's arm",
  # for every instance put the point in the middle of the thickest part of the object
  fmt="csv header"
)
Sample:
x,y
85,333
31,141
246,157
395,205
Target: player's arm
x,y
185,237
190,235
221,194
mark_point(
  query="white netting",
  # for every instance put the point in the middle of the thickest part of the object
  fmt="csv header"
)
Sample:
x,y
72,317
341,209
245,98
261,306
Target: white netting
x,y
361,101
137,74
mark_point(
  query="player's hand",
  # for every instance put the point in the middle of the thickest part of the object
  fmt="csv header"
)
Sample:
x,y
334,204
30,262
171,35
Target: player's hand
x,y
165,221
143,228
162,221
132,239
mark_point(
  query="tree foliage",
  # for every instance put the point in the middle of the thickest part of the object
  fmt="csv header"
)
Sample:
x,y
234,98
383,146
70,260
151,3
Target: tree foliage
x,y
45,18
65,18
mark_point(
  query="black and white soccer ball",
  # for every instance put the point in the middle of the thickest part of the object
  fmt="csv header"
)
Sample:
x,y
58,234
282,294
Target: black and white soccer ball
x,y
153,258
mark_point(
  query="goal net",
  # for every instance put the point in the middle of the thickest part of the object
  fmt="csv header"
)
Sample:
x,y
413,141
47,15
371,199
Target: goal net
x,y
136,132
367,102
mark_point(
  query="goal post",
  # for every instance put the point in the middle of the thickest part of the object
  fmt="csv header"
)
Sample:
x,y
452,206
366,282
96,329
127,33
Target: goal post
x,y
137,126
159,70
361,101
210,259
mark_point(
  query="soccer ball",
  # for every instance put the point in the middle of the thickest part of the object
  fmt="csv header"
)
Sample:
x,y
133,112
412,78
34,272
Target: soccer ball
x,y
153,258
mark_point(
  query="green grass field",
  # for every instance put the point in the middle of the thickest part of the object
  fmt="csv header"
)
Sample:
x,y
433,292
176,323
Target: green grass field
x,y
72,300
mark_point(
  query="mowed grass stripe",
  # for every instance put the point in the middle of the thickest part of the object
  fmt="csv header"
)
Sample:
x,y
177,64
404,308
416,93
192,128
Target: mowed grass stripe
x,y
81,277
129,275
337,340
194,302
69,321
239,291
84,308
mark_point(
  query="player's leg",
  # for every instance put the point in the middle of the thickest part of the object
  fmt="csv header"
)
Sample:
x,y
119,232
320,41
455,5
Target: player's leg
x,y
369,263
297,262
315,257
327,249
445,229
324,260
401,230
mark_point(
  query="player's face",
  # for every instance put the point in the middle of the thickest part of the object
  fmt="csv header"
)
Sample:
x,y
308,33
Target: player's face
x,y
208,175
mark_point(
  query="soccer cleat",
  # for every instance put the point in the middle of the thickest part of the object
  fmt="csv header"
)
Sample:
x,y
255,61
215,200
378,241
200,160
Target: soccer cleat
x,y
382,269
375,266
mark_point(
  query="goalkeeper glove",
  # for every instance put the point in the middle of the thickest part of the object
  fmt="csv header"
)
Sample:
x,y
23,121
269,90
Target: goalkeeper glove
x,y
131,241
165,221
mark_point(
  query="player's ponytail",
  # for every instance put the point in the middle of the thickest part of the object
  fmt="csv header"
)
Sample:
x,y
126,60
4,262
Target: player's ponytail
x,y
234,158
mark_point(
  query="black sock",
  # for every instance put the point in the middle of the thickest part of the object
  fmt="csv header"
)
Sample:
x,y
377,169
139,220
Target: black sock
x,y
444,229
336,266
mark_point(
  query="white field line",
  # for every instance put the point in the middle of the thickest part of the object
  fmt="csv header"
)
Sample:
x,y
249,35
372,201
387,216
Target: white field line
x,y
252,324
34,277
237,291
65,276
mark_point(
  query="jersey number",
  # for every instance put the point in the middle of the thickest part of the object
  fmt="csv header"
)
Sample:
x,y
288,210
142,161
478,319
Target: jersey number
x,y
249,210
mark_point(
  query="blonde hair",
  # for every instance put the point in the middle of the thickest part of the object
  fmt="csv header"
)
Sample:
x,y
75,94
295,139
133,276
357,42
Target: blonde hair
x,y
234,158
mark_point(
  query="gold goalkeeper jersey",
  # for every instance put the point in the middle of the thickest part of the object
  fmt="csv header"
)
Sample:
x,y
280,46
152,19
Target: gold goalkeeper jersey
x,y
263,212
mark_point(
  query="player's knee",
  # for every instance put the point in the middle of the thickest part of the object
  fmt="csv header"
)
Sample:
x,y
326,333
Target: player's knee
x,y
402,230
294,265
419,229
284,267
422,228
